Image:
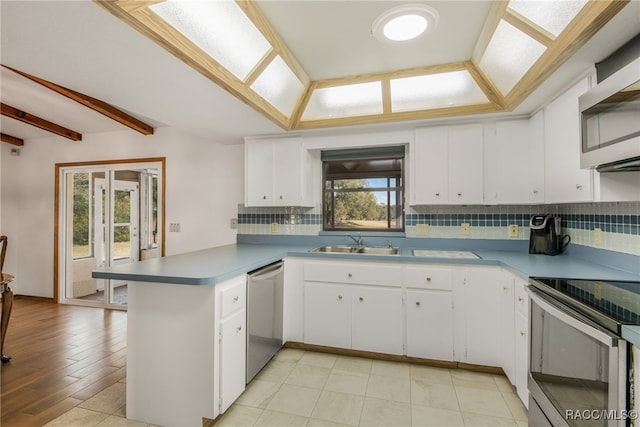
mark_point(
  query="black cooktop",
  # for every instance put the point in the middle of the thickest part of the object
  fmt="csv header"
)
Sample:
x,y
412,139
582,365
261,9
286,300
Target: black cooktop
x,y
609,303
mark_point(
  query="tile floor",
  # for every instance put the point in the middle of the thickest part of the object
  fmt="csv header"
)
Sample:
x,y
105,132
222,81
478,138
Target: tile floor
x,y
302,388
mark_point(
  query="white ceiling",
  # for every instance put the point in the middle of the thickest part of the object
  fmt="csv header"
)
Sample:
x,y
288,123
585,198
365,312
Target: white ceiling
x,y
79,45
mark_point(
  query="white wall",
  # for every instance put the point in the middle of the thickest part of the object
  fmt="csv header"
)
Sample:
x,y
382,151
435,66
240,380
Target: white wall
x,y
204,182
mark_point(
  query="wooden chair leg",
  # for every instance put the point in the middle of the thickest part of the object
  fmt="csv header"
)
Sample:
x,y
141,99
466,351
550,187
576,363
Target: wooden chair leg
x,y
7,304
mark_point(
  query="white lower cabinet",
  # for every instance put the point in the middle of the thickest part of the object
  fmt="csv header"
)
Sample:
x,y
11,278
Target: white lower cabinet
x,y
376,319
363,318
478,316
353,305
470,314
327,314
521,341
430,324
185,351
429,311
233,342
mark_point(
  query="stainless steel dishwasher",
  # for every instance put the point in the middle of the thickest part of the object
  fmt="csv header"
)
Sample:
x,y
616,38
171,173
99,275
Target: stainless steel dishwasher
x,y
264,316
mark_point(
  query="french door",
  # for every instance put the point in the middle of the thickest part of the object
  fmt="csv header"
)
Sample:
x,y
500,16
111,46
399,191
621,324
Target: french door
x,y
116,240
110,216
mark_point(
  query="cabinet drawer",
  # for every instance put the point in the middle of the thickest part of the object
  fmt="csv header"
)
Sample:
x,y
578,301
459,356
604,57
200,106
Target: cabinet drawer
x,y
233,298
428,277
366,273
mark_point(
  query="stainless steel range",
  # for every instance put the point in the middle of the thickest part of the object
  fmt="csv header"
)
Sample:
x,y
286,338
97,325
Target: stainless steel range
x,y
580,366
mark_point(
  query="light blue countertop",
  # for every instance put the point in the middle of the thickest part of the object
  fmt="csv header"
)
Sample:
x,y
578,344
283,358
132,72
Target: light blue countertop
x,y
211,266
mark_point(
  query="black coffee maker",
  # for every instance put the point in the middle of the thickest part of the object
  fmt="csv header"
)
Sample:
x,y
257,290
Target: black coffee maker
x,y
545,237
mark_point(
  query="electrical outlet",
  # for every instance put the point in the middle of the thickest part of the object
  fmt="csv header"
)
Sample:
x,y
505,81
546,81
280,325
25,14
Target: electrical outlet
x,y
422,229
597,236
274,227
513,230
465,229
174,227
234,223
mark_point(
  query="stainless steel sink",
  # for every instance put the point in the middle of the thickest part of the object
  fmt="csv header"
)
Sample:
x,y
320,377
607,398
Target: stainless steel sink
x,y
378,250
350,249
336,249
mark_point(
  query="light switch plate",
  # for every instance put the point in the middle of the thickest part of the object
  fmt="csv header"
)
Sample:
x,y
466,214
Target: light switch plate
x,y
274,227
234,223
597,236
465,229
174,227
513,230
422,229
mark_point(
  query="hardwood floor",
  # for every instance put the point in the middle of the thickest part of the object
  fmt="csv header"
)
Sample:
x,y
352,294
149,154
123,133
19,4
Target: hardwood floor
x,y
61,357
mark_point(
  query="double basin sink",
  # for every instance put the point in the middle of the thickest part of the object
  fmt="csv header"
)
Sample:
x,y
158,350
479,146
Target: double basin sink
x,y
387,250
352,249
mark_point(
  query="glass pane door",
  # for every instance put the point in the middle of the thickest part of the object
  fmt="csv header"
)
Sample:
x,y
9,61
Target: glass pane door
x,y
125,241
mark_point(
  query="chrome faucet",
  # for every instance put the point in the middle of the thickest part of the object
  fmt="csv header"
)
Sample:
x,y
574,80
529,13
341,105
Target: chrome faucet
x,y
358,239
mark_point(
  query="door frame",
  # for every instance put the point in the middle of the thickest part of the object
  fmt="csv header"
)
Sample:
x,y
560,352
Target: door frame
x,y
58,209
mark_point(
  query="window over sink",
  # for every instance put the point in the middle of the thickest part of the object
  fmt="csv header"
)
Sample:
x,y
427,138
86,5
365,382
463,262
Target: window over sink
x,y
363,189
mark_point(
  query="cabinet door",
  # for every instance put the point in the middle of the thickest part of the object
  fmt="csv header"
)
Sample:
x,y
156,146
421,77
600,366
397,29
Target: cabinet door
x,y
233,346
565,182
376,320
465,164
479,317
506,161
430,324
287,170
522,357
259,170
429,166
327,314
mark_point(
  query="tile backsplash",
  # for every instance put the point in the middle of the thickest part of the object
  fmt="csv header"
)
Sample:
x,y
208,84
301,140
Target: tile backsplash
x,y
619,222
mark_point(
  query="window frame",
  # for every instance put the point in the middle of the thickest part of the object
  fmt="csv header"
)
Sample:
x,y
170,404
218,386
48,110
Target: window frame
x,y
399,189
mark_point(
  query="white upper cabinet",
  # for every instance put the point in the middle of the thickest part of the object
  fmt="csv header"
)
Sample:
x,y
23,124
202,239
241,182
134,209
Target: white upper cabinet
x,y
564,181
513,161
446,165
277,173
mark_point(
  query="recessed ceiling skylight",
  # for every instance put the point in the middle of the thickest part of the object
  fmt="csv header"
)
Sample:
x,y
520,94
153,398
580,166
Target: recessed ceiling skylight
x,y
405,23
359,99
435,91
220,28
551,15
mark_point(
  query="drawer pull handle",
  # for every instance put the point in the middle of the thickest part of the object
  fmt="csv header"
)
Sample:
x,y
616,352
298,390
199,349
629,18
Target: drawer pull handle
x,y
520,299
361,299
264,197
522,333
349,275
437,194
235,299
578,187
239,328
340,297
418,303
428,279
459,194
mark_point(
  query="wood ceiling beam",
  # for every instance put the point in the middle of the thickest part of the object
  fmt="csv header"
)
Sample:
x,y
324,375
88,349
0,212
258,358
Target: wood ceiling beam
x,y
11,139
94,104
39,122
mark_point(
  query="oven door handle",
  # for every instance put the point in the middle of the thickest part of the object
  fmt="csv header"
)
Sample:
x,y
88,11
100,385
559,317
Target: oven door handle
x,y
573,319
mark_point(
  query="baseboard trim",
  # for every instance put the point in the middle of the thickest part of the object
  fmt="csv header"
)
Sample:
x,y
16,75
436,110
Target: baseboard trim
x,y
33,298
395,358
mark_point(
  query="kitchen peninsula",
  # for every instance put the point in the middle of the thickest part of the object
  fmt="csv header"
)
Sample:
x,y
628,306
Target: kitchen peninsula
x,y
178,306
